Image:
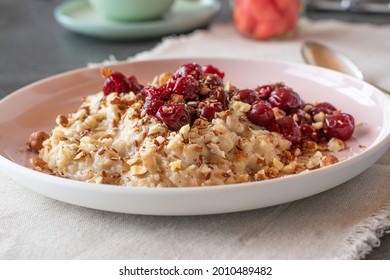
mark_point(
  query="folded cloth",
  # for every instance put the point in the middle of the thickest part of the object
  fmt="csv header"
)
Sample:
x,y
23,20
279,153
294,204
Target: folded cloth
x,y
342,223
362,43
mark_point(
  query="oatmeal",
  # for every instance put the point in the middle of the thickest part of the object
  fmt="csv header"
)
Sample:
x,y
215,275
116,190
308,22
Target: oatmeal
x,y
190,128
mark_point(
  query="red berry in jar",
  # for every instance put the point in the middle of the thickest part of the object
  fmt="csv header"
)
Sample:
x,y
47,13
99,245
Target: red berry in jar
x,y
285,98
247,95
187,86
210,69
340,126
190,69
174,116
290,129
261,113
208,110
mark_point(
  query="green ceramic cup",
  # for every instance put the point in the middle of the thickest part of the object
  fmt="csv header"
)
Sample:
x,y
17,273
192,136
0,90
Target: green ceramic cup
x,y
131,10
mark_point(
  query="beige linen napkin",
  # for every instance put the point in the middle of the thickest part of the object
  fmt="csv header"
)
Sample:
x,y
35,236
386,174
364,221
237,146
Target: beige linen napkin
x,y
342,223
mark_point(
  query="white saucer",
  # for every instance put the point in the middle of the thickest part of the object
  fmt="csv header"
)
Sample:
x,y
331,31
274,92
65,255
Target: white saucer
x,y
184,16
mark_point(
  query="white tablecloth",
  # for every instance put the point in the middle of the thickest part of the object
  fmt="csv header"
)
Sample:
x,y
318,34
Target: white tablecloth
x,y
342,223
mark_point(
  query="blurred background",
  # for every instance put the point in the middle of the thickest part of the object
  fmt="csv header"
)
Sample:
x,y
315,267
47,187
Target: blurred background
x,y
30,37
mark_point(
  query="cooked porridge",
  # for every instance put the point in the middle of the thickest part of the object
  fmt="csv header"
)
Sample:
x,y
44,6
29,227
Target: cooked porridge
x,y
190,128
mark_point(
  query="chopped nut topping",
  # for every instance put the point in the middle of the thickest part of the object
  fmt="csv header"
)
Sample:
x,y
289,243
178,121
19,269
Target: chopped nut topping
x,y
328,160
279,113
318,125
335,145
176,98
38,164
138,170
36,139
319,117
62,120
310,146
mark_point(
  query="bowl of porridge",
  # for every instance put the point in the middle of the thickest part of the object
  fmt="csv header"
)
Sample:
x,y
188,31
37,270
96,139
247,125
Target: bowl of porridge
x,y
192,136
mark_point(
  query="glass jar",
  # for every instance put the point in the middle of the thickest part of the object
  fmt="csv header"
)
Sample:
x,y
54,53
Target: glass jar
x,y
267,19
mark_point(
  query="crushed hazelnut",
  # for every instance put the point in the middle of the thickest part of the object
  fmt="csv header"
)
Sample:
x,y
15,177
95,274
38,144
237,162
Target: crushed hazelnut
x,y
62,120
36,139
329,160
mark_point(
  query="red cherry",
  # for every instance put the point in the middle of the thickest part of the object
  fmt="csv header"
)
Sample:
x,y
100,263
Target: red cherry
x,y
210,69
273,127
190,69
167,89
134,85
116,82
310,133
187,86
264,91
247,95
213,81
174,116
151,92
290,129
221,96
151,106
301,117
261,113
284,98
324,107
208,110
340,126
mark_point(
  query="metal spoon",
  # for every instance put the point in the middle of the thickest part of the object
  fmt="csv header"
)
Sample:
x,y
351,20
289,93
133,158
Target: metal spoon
x,y
317,54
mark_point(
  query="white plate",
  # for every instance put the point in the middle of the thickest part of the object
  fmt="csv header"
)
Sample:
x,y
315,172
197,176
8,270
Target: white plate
x,y
185,15
35,107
